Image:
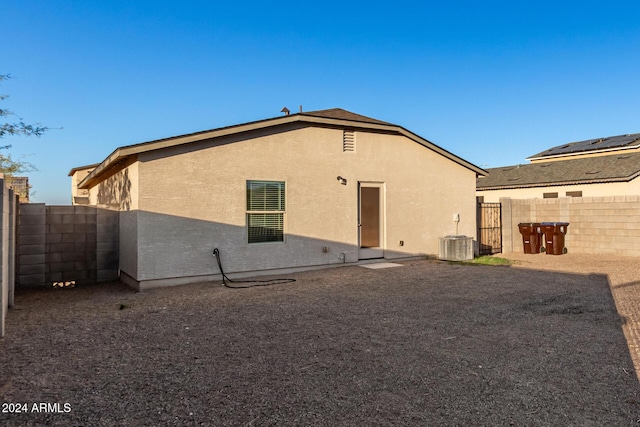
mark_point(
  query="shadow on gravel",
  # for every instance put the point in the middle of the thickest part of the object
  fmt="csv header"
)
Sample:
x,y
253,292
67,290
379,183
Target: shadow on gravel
x,y
424,344
627,285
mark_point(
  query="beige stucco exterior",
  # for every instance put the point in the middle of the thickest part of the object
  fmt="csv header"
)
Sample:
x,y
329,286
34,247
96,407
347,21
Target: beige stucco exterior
x,y
118,191
80,195
588,190
180,202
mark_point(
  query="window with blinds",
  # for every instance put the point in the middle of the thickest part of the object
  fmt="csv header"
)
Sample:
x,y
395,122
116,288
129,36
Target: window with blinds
x,y
265,211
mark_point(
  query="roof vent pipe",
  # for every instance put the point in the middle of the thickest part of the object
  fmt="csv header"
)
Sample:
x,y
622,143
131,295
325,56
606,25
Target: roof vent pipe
x,y
301,108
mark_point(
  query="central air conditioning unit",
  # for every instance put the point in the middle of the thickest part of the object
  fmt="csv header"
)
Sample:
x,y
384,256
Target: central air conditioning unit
x,y
456,248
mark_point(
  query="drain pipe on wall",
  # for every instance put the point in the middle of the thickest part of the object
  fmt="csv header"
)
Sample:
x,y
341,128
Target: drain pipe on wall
x,y
456,219
251,283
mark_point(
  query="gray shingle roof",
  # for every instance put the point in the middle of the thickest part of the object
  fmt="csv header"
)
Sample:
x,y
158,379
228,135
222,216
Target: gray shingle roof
x,y
590,170
598,144
339,113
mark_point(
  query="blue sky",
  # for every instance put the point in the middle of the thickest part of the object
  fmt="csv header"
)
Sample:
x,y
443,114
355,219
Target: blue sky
x,y
493,82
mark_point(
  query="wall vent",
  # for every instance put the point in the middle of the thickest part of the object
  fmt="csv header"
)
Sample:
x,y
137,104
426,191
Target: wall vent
x,y
348,141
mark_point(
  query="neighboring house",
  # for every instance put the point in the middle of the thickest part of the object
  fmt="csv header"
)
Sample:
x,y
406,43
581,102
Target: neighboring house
x,y
592,168
80,196
293,192
20,185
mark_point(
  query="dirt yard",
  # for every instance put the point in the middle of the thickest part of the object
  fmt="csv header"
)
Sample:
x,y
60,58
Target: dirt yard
x,y
428,343
623,274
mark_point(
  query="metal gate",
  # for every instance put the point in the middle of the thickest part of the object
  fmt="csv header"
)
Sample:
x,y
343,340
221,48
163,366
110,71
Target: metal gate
x,y
489,228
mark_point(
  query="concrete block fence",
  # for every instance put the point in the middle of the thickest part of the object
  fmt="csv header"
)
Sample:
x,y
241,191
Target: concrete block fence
x,y
597,225
66,245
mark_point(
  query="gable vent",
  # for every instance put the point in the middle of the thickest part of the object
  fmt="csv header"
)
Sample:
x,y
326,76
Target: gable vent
x,y
348,141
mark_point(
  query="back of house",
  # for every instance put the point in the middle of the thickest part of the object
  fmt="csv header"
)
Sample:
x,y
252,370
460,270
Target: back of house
x,y
298,191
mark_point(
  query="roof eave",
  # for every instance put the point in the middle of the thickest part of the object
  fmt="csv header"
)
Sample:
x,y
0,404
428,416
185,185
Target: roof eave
x,y
79,168
120,153
560,183
479,171
126,151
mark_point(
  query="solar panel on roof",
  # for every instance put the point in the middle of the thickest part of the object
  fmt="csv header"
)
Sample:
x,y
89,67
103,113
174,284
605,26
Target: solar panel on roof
x,y
593,144
620,141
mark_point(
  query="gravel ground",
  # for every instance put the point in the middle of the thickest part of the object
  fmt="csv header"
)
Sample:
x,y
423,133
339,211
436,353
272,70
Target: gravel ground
x,y
429,343
623,275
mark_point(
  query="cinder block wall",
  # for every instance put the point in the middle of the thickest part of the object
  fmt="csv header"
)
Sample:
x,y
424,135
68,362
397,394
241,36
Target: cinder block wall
x,y
31,244
597,225
62,245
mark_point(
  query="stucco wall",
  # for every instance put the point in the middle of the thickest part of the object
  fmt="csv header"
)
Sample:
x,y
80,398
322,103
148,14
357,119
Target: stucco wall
x,y
588,190
119,191
608,225
195,200
128,244
76,178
